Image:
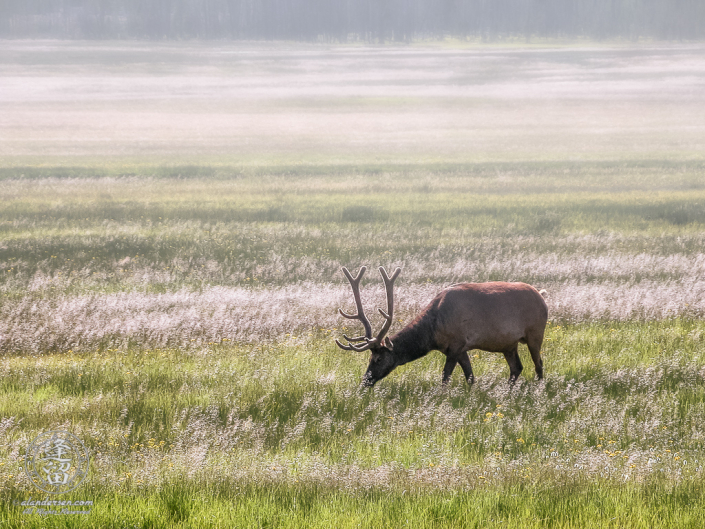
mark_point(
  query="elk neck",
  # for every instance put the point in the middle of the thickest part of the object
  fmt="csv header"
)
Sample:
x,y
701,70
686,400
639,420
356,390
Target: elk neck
x,y
415,340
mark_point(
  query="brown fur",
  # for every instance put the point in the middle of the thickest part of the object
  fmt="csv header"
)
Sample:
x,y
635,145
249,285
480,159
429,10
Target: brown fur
x,y
493,317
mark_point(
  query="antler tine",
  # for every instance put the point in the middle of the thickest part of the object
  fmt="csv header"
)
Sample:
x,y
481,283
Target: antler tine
x,y
355,339
355,285
352,347
389,315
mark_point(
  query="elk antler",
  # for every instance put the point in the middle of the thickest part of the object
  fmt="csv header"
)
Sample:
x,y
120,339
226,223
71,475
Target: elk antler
x,y
369,342
389,315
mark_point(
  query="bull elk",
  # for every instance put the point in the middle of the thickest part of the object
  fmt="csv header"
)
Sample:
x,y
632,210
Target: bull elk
x,y
493,317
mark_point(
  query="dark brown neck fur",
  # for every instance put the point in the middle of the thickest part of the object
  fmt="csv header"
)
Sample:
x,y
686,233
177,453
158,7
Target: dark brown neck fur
x,y
417,338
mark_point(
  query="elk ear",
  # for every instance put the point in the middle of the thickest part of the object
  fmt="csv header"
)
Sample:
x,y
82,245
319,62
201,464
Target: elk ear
x,y
388,343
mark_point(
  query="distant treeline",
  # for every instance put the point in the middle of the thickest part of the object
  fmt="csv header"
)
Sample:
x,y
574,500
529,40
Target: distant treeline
x,y
345,20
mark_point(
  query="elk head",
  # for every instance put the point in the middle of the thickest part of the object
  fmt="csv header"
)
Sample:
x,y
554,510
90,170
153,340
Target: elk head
x,y
382,359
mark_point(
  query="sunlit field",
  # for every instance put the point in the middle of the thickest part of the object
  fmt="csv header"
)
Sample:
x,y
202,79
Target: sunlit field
x,y
173,220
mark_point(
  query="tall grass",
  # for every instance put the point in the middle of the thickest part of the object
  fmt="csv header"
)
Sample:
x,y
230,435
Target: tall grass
x,y
618,416
106,263
196,356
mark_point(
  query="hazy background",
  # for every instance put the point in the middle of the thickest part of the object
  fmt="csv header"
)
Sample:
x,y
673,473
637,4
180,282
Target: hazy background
x,y
88,103
345,20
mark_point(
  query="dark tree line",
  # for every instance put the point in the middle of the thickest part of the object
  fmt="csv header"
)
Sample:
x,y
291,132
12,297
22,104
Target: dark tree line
x,y
343,20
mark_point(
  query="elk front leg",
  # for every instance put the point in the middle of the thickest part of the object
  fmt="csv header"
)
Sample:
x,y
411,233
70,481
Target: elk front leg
x,y
464,362
448,369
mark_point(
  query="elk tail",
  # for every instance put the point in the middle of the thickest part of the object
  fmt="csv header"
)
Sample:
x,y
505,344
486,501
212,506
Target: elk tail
x,y
543,293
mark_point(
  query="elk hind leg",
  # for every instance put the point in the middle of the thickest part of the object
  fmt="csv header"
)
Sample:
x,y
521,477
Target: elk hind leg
x,y
515,367
534,344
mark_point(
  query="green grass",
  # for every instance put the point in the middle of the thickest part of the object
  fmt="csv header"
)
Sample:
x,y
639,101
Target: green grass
x,y
277,432
291,439
596,505
240,225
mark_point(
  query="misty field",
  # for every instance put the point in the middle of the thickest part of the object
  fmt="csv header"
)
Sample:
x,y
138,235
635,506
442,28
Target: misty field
x,y
173,222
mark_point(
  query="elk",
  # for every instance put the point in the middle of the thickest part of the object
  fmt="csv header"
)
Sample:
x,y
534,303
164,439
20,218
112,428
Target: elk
x,y
493,317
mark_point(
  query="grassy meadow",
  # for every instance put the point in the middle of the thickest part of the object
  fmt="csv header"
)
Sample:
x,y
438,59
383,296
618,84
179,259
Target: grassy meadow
x,y
170,278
